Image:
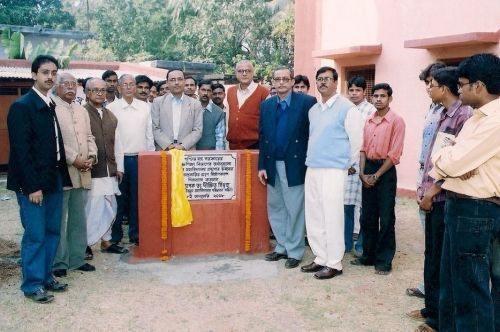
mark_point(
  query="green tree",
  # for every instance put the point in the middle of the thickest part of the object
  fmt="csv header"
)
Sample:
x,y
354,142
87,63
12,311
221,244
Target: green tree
x,y
46,13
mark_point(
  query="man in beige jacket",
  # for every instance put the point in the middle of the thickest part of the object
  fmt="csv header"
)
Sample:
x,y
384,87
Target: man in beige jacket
x,y
81,152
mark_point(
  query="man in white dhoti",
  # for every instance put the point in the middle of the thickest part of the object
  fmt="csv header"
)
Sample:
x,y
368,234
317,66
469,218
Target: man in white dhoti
x,y
107,173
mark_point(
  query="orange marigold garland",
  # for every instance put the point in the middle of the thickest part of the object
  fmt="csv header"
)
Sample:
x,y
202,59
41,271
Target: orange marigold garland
x,y
248,201
164,205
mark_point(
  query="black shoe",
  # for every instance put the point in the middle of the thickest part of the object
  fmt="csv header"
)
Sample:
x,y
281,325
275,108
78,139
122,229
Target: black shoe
x,y
360,261
291,263
313,267
60,273
114,249
327,273
40,296
86,268
274,256
56,286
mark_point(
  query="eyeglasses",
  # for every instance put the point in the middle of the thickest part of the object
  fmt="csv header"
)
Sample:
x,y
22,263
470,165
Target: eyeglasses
x,y
324,79
176,79
98,91
282,79
128,85
244,71
68,84
461,85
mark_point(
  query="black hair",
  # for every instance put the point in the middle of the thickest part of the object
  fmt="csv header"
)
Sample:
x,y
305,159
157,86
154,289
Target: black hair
x,y
192,78
108,73
40,60
447,76
159,84
382,86
302,78
143,78
482,67
204,82
358,81
218,86
172,70
430,69
325,69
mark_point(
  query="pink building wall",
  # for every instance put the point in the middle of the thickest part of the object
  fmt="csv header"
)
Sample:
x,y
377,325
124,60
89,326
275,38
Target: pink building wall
x,y
329,32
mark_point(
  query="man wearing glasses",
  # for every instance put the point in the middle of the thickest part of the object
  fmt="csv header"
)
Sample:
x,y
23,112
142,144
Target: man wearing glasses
x,y
81,155
136,135
177,118
284,133
244,101
335,133
101,205
470,267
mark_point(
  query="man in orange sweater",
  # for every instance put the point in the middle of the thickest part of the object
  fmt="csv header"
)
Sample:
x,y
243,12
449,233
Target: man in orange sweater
x,y
244,103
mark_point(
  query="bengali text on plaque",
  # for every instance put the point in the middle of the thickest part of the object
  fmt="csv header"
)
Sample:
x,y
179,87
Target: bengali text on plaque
x,y
210,176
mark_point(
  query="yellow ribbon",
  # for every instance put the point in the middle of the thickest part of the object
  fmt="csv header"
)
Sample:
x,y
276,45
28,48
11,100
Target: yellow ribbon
x,y
180,212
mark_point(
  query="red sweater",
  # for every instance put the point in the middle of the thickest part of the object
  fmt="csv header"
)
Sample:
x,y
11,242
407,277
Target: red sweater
x,y
244,121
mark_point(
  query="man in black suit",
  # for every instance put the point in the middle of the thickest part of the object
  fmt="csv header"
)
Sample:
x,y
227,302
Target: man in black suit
x,y
284,134
37,173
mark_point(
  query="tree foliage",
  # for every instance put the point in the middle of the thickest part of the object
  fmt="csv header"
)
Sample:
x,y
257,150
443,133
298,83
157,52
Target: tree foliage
x,y
45,13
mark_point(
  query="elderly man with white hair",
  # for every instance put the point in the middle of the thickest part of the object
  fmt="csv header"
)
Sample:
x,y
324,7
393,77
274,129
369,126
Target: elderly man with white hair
x,y
107,174
81,155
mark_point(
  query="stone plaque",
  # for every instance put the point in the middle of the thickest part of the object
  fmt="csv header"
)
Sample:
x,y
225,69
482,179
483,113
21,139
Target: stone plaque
x,y
210,176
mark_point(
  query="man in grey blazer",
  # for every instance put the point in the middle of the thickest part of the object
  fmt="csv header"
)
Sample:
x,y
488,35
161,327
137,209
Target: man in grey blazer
x,y
177,119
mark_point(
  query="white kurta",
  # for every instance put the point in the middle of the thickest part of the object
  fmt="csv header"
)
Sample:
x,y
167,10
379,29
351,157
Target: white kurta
x,y
101,203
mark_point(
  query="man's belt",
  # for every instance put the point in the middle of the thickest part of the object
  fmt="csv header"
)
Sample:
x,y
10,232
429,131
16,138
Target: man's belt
x,y
494,199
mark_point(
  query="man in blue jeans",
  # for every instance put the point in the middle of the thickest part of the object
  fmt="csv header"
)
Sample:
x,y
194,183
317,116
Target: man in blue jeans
x,y
470,169
37,173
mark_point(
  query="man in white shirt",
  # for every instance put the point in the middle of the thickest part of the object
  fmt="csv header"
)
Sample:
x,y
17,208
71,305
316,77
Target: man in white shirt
x,y
136,135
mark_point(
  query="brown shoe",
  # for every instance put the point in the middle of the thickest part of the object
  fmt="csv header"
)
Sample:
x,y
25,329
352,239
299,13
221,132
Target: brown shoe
x,y
313,267
424,328
416,315
327,273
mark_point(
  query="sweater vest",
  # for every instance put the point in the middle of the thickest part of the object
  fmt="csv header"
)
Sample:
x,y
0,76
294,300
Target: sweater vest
x,y
243,124
329,145
210,121
104,133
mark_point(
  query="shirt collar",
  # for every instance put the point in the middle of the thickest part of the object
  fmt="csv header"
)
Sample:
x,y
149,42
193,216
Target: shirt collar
x,y
491,108
248,88
456,105
287,100
45,98
178,99
389,116
127,105
329,102
209,106
60,102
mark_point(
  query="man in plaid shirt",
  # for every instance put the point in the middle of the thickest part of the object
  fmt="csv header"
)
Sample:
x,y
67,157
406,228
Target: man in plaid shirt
x,y
352,195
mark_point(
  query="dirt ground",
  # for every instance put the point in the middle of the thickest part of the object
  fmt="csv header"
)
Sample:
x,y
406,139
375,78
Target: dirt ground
x,y
246,293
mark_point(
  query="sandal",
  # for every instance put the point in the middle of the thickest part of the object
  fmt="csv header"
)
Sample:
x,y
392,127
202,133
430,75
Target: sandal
x,y
416,315
89,255
424,328
415,292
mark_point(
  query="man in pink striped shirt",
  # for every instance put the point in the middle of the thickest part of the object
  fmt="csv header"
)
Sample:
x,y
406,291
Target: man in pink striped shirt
x,y
382,147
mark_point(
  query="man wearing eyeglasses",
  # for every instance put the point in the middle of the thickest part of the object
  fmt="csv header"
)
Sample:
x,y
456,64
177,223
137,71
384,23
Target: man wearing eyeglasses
x,y
81,153
101,205
284,133
177,118
469,298
136,135
334,143
244,101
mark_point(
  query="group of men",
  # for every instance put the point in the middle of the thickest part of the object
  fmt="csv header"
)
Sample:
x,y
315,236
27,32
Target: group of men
x,y
323,162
